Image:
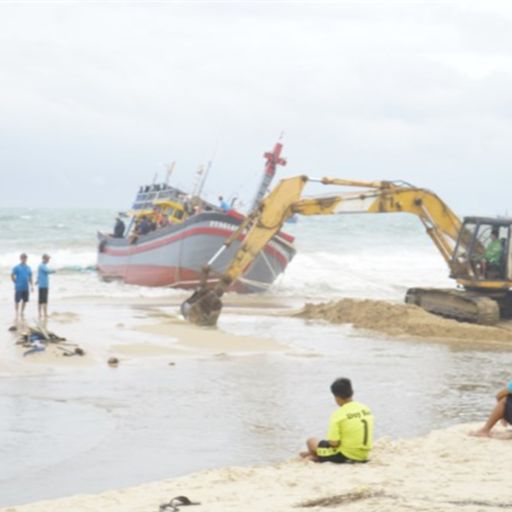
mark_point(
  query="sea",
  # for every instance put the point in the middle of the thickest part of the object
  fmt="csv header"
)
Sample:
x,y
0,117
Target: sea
x,y
337,256
93,429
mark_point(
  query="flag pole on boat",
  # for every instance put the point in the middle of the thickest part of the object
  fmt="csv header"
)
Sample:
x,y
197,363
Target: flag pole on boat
x,y
170,170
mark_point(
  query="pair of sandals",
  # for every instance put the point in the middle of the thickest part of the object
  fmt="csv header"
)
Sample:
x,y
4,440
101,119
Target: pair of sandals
x,y
176,503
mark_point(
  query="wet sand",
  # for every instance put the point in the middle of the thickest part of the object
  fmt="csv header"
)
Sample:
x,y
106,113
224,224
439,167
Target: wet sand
x,y
129,331
445,470
404,320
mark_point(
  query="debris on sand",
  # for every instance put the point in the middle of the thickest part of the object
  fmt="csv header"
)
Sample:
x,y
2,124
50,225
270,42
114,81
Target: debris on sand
x,y
113,362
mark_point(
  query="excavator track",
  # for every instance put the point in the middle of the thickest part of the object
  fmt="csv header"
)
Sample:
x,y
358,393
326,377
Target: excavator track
x,y
462,305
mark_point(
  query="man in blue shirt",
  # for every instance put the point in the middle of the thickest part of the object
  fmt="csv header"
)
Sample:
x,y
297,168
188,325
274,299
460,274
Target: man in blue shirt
x,y
21,276
223,205
502,411
43,283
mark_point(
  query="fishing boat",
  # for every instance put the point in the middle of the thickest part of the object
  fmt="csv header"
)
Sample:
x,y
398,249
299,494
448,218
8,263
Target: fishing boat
x,y
184,233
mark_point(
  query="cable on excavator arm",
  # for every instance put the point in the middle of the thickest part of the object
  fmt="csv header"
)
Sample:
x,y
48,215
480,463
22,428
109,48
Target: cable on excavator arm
x,y
442,225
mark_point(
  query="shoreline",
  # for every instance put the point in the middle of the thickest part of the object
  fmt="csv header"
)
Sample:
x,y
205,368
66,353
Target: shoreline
x,y
439,470
443,470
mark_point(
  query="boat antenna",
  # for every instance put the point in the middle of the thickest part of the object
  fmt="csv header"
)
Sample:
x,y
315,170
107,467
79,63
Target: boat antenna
x,y
205,175
197,184
273,160
206,172
170,170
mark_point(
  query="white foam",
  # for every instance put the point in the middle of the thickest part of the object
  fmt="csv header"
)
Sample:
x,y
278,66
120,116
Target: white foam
x,y
373,273
61,259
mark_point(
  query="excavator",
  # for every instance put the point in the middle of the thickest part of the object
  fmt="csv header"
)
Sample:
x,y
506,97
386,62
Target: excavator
x,y
477,249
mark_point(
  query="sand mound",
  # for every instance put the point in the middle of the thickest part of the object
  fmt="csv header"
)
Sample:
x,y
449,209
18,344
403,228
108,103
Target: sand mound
x,y
400,320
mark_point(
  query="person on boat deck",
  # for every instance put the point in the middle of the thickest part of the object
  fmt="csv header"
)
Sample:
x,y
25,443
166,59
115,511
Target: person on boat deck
x,y
144,226
119,228
21,276
502,411
164,222
158,216
350,433
223,205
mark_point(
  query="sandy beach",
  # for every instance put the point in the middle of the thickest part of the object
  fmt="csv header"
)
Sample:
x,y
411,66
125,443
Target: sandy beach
x,y
445,470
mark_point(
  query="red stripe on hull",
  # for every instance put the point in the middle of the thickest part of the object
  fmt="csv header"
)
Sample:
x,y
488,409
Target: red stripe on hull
x,y
150,275
148,246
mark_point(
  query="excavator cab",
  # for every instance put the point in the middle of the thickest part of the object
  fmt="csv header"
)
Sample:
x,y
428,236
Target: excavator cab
x,y
483,248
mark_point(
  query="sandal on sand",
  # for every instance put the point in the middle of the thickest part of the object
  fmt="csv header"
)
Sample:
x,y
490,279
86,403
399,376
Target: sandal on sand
x,y
175,503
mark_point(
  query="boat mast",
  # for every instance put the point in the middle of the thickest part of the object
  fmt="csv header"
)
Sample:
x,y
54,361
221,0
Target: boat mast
x,y
273,160
203,180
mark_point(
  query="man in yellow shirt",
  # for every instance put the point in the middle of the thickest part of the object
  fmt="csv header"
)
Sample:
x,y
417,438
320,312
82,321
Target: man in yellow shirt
x,y
350,433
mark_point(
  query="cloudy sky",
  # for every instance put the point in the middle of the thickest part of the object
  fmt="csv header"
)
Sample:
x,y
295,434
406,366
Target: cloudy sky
x,y
96,97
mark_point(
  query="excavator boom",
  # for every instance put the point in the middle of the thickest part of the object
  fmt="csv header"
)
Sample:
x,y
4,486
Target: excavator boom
x,y
285,200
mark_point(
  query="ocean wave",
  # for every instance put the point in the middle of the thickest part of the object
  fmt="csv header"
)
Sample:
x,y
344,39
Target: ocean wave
x,y
377,273
61,259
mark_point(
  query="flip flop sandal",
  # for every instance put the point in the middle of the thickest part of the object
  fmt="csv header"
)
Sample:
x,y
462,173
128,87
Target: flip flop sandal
x,y
175,503
66,352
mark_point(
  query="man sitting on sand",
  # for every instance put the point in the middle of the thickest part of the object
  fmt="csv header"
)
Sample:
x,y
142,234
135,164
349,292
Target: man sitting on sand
x,y
502,411
350,433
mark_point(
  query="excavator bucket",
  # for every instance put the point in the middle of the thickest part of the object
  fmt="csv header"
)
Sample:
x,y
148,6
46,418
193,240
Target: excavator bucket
x,y
203,307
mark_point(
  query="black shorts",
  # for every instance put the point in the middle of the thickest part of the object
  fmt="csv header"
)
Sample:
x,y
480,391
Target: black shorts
x,y
43,295
325,453
21,296
508,410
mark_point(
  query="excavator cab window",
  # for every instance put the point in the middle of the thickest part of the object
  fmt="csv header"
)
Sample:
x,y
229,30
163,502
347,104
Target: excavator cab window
x,y
490,251
483,250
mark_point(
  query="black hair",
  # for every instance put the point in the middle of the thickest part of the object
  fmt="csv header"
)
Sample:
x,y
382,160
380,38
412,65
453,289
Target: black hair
x,y
342,388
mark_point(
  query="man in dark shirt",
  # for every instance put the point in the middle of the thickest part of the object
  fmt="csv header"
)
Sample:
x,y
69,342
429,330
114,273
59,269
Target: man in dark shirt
x,y
144,226
119,228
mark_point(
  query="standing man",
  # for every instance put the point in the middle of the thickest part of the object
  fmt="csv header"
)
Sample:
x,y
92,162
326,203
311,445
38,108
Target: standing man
x,y
350,433
21,277
119,228
223,205
43,283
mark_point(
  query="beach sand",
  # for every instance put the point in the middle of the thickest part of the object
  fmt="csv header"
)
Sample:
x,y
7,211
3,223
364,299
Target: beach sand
x,y
128,331
445,470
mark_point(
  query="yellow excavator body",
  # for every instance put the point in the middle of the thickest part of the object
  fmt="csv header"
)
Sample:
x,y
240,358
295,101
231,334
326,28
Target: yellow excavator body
x,y
484,285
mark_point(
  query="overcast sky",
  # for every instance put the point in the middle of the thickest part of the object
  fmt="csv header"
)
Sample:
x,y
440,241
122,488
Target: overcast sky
x,y
98,96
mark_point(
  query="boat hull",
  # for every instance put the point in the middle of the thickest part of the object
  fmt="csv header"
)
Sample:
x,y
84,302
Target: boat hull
x,y
174,256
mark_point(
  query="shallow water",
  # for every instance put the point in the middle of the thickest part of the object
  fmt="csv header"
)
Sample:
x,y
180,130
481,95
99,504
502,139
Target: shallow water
x,y
90,429
98,428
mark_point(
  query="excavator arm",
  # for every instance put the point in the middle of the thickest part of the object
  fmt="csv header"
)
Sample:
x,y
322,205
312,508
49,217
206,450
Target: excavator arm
x,y
442,225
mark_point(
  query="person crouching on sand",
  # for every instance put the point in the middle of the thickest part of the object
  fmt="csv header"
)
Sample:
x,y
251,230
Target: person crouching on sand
x,y
350,432
502,411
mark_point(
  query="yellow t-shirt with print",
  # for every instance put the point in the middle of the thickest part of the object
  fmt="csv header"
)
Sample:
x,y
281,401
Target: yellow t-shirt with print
x,y
352,425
